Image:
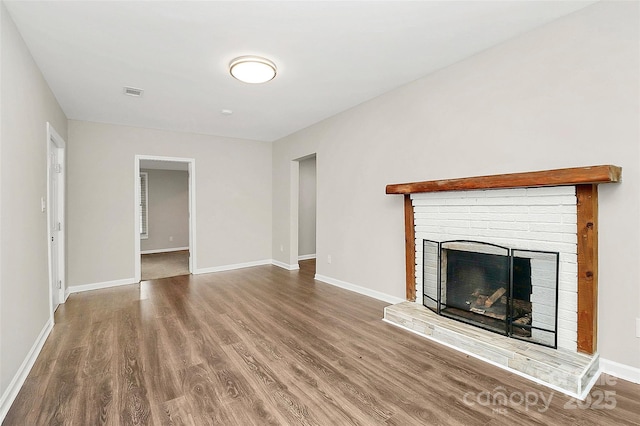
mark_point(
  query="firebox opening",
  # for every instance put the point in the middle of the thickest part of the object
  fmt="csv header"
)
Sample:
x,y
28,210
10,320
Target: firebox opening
x,y
493,287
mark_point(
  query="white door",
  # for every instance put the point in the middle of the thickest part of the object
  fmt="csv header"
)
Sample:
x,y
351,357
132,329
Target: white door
x,y
54,208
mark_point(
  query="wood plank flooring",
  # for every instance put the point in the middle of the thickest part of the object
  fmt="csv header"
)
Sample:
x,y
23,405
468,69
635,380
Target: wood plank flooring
x,y
163,265
265,346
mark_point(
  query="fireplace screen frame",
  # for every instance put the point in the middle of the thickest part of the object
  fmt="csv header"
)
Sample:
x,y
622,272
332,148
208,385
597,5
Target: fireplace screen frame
x,y
433,260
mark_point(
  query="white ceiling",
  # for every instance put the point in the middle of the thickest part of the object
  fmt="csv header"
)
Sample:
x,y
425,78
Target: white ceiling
x,y
331,55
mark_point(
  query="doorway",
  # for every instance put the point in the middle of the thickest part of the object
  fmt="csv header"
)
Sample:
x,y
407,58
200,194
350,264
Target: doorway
x,y
55,207
165,217
307,200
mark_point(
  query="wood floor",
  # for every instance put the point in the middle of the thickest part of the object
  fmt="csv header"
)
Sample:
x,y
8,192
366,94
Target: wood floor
x,y
162,265
265,346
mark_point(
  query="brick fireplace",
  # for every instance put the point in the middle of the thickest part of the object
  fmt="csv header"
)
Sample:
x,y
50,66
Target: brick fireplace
x,y
552,211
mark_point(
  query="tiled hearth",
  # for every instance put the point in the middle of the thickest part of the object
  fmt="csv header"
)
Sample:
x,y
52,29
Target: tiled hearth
x,y
567,371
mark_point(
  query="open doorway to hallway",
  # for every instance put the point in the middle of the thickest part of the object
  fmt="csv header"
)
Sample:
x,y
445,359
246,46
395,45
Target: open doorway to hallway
x,y
164,200
307,196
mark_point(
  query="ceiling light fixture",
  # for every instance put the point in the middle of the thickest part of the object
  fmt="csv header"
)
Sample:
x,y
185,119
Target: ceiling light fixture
x,y
252,69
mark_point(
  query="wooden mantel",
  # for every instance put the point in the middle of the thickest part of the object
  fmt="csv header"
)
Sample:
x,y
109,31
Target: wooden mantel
x,y
585,179
560,177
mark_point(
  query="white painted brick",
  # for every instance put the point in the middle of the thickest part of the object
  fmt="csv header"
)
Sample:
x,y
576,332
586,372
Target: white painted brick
x,y
445,195
567,266
553,237
426,229
553,246
426,212
502,201
505,193
562,200
566,209
568,300
570,218
453,216
452,223
430,271
542,337
508,209
431,291
543,295
503,233
479,209
453,209
551,190
543,270
567,325
545,310
462,233
488,217
561,228
544,282
430,253
567,315
566,336
567,343
520,226
426,202
543,321
480,224
541,218
461,202
569,285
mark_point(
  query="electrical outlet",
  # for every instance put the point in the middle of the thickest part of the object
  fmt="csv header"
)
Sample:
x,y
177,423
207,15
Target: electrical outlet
x,y
170,238
281,247
328,258
637,327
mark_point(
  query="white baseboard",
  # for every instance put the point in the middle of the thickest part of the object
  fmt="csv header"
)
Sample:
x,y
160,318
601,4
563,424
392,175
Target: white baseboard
x,y
232,266
165,250
284,265
307,256
98,286
358,289
621,371
14,387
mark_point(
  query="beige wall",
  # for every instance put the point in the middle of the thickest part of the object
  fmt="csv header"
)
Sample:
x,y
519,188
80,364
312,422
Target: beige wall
x,y
168,206
563,95
26,105
233,205
307,207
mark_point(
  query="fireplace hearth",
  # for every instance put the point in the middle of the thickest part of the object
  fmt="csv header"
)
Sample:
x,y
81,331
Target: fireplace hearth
x,y
493,287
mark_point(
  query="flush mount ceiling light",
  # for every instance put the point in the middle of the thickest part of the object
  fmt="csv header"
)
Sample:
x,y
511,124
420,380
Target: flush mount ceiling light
x,y
252,69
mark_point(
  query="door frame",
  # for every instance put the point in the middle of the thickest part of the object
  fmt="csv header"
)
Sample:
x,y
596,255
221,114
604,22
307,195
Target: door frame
x,y
56,142
294,204
191,162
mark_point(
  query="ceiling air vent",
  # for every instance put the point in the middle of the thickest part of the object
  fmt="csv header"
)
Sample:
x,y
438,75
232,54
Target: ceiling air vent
x,y
132,91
